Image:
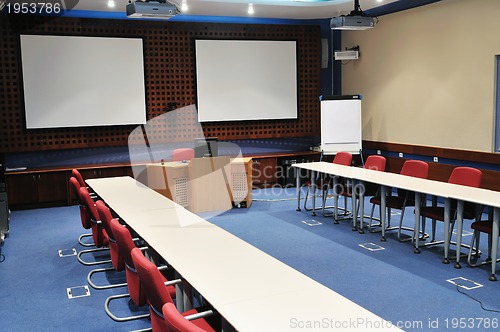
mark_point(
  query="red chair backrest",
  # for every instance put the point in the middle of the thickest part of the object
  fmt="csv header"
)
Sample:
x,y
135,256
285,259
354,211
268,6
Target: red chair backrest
x,y
125,246
78,176
156,291
415,168
182,154
376,163
114,250
176,322
466,176
84,216
343,158
105,217
98,233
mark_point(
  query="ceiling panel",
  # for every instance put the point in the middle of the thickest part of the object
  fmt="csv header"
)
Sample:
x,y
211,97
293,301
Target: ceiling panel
x,y
288,9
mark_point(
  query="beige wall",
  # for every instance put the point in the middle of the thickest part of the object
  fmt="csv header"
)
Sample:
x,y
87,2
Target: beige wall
x,y
427,75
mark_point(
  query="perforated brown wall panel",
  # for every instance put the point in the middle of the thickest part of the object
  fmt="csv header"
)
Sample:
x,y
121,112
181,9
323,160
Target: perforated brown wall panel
x,y
170,77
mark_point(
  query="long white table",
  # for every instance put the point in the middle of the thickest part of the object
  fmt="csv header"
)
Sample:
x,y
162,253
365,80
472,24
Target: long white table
x,y
252,290
420,187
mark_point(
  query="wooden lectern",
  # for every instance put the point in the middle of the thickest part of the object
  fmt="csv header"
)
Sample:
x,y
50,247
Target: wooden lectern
x,y
204,184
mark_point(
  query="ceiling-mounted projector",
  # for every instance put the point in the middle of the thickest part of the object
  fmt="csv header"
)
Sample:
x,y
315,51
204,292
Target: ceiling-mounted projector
x,y
352,23
355,20
152,9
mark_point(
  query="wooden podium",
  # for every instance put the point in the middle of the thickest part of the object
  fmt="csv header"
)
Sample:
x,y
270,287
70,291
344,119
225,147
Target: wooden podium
x,y
204,184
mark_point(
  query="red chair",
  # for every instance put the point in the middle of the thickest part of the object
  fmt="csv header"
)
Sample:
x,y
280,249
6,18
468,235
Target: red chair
x,y
182,154
98,233
136,293
158,292
116,259
374,162
341,158
403,199
177,322
77,175
466,176
84,216
481,226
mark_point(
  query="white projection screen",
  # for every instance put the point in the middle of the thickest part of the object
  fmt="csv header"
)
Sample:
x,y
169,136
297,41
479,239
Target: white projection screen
x,y
246,80
72,81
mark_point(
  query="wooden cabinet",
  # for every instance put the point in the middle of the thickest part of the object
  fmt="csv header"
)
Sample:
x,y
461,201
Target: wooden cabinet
x,y
43,188
104,172
272,170
36,189
264,171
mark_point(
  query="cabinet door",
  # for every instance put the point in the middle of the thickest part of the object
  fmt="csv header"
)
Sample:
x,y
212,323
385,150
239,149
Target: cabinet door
x,y
112,172
264,171
87,173
52,187
94,173
21,189
32,189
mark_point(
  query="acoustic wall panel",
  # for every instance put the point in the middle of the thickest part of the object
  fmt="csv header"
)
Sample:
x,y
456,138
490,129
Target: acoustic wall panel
x,y
169,74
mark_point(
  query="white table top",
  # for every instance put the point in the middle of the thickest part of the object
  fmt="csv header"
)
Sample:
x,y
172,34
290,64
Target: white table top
x,y
125,193
424,186
326,313
251,289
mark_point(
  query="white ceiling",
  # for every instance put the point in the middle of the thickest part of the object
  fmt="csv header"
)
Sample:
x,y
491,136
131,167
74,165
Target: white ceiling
x,y
288,9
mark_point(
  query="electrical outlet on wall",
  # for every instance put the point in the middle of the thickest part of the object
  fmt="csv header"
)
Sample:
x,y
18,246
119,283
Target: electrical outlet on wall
x,y
436,159
401,155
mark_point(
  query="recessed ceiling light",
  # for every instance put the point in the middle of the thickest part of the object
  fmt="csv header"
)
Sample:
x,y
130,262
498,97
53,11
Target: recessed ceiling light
x,y
111,3
184,6
250,9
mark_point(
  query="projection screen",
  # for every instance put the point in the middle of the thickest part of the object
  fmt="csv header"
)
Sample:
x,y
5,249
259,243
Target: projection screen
x,y
246,80
72,81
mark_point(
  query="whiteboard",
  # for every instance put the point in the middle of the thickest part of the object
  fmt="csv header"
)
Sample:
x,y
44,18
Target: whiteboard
x,y
240,80
73,81
341,124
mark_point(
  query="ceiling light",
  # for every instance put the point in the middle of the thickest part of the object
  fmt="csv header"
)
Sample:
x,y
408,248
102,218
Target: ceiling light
x,y
184,6
250,9
111,3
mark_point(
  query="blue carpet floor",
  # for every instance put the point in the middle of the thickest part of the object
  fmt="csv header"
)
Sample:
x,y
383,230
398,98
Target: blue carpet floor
x,y
410,290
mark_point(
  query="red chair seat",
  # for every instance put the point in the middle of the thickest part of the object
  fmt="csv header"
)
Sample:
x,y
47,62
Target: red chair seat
x,y
433,212
483,226
393,202
437,212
